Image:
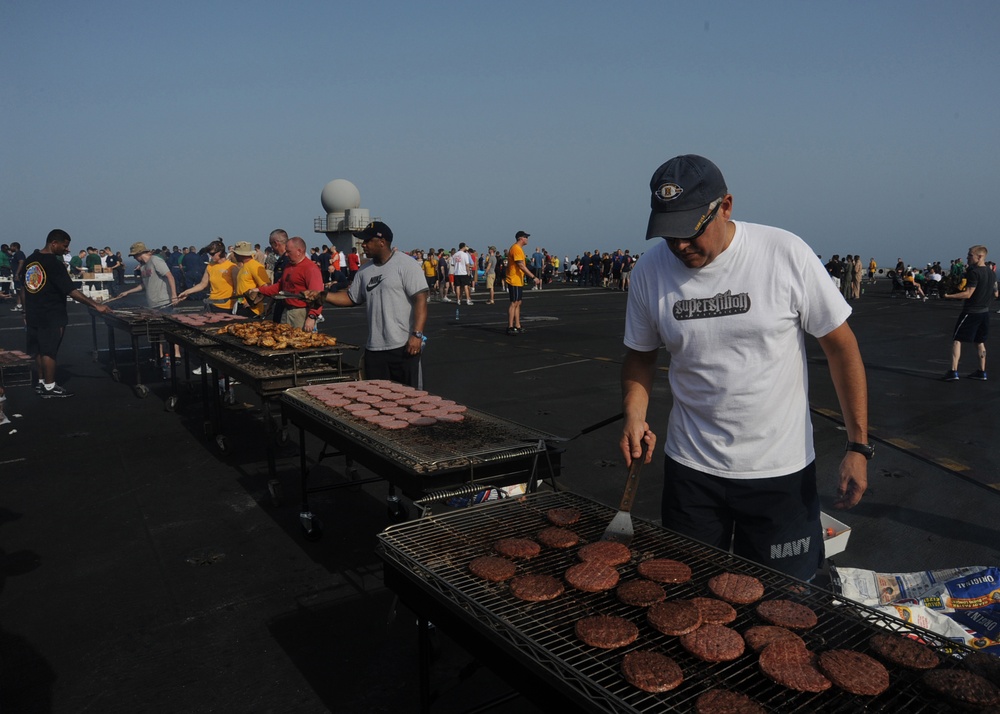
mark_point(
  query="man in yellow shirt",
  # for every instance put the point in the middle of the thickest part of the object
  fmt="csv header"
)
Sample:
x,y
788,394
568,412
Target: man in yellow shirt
x,y
250,275
516,270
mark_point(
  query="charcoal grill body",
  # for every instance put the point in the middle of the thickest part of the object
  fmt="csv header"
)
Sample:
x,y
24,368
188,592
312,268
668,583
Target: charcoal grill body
x,y
426,564
425,460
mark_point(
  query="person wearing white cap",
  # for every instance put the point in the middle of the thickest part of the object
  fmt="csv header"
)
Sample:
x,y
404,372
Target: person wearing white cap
x,y
740,469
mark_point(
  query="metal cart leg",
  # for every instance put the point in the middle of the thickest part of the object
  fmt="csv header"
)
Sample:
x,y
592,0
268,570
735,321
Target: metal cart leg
x,y
115,374
141,390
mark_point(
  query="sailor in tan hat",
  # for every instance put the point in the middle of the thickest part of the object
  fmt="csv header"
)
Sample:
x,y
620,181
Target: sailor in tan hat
x,y
157,282
250,276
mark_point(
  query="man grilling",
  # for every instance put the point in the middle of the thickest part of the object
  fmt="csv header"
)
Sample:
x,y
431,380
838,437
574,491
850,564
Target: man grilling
x,y
392,288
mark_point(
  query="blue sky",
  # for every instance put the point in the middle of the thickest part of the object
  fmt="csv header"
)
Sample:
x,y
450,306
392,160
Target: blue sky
x,y
865,127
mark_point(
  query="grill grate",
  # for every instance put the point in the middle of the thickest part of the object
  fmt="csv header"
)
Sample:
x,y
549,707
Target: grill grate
x,y
432,554
432,448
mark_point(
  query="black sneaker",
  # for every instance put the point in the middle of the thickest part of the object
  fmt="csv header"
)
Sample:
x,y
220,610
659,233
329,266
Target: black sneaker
x,y
519,330
951,376
56,391
39,387
511,330
979,375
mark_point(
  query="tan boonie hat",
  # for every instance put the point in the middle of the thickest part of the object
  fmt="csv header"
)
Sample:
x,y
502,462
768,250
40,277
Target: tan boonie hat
x,y
138,248
243,248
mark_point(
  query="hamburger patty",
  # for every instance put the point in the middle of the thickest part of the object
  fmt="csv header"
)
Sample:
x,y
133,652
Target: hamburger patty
x,y
664,570
715,612
520,548
854,672
492,568
606,631
536,588
555,537
904,651
651,671
641,593
674,617
713,643
760,636
962,687
791,665
785,613
562,516
608,552
736,588
592,577
720,701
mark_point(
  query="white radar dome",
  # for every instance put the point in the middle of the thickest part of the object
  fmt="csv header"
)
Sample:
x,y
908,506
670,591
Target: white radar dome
x,y
340,195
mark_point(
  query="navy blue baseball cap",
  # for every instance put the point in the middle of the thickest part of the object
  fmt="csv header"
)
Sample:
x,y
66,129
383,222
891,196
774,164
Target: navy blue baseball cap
x,y
375,229
683,190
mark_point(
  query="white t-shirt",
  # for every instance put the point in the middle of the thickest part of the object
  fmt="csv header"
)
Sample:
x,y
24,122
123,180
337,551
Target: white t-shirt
x,y
461,262
386,291
735,333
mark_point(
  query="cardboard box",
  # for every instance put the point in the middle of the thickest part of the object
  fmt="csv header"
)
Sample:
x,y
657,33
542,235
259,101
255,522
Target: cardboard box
x,y
836,543
88,276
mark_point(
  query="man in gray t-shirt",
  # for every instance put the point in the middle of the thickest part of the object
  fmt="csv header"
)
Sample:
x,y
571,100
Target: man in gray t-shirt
x,y
157,281
392,288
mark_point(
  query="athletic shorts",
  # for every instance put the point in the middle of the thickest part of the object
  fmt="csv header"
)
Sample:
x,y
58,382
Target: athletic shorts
x,y
395,365
431,282
44,341
972,327
462,281
515,293
772,521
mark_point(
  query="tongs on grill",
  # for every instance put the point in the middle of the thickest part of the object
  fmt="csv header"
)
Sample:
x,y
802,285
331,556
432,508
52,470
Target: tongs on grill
x,y
620,529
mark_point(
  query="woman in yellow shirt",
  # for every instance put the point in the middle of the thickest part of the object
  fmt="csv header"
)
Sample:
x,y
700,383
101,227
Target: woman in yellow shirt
x,y
219,278
250,275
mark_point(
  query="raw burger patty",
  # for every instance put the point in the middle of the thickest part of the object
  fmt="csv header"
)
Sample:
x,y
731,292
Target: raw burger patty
x,y
759,637
605,551
492,568
606,631
791,665
715,612
664,570
904,651
651,671
785,613
555,537
674,617
562,516
521,548
536,588
719,701
962,687
641,593
733,587
713,643
592,577
854,672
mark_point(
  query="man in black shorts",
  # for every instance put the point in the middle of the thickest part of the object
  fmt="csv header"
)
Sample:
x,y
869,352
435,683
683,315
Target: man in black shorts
x,y
46,285
973,324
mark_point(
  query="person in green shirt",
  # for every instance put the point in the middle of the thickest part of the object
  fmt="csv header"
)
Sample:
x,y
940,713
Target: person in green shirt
x,y
93,259
76,264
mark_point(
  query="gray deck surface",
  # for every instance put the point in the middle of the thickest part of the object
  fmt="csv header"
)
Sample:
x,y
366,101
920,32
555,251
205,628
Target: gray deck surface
x,y
144,571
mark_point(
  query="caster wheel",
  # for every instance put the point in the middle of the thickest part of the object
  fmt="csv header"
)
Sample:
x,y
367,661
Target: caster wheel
x,y
312,528
274,488
281,437
141,391
116,375
171,404
220,441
